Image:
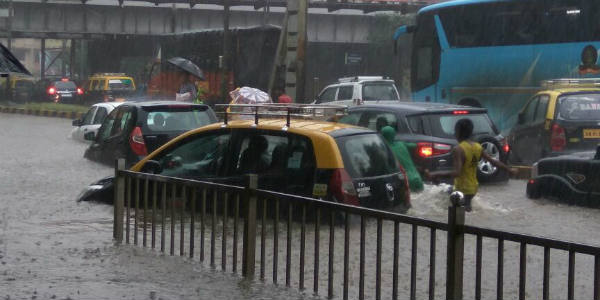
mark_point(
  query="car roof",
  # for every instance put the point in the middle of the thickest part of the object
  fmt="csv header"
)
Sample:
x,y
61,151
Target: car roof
x,y
569,90
151,103
417,107
111,104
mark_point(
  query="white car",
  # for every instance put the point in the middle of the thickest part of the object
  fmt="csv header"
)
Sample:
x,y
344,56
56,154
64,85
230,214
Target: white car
x,y
359,89
92,119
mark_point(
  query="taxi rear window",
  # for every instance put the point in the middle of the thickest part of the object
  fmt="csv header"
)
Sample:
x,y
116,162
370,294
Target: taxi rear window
x,y
120,84
579,107
366,155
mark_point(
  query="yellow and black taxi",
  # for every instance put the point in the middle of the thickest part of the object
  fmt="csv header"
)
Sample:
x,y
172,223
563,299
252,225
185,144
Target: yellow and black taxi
x,y
325,160
563,118
104,87
21,87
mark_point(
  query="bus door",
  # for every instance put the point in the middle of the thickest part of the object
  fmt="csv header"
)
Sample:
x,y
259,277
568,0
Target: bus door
x,y
426,57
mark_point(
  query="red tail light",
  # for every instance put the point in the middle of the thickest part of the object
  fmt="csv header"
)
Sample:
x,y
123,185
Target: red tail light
x,y
558,140
136,141
426,150
461,112
505,145
79,91
51,91
342,187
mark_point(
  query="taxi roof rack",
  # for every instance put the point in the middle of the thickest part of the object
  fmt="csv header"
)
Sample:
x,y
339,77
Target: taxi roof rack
x,y
571,82
108,74
303,111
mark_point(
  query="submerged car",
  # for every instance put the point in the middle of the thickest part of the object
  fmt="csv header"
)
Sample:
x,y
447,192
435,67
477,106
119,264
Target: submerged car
x,y
430,128
134,129
92,120
563,119
325,160
574,178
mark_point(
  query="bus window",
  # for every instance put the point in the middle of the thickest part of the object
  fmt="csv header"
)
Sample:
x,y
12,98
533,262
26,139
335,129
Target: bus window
x,y
426,53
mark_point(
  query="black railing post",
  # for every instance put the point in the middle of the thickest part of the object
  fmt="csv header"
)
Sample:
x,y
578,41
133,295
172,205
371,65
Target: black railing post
x,y
249,240
456,242
119,182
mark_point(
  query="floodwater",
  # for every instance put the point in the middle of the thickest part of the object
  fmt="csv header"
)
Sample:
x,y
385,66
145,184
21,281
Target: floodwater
x,y
52,247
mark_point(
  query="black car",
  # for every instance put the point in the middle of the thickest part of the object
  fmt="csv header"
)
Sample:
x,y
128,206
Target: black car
x,y
60,91
430,126
574,178
134,129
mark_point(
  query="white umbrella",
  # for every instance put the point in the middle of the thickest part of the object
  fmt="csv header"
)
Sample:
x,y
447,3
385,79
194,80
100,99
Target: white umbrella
x,y
248,95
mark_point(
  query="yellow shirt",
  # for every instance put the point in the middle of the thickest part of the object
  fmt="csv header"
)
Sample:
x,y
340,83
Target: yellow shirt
x,y
466,182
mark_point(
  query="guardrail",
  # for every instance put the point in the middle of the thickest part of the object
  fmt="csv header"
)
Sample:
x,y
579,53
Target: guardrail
x,y
158,210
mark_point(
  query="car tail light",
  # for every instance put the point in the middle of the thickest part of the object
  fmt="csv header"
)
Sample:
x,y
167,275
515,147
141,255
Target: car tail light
x,y
342,187
136,141
51,90
505,145
426,150
79,91
460,112
558,140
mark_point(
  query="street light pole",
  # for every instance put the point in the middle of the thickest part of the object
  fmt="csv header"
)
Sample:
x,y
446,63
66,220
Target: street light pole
x,y
226,37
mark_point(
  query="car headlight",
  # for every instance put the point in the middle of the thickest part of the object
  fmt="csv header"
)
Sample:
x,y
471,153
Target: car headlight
x,y
534,170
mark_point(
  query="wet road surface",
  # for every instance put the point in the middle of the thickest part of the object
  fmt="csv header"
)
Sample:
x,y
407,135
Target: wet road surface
x,y
54,248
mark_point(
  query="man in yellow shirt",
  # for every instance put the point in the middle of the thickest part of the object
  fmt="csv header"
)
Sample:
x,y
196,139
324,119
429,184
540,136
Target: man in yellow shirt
x,y
465,157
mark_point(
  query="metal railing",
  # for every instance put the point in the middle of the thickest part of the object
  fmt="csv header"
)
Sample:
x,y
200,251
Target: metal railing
x,y
325,243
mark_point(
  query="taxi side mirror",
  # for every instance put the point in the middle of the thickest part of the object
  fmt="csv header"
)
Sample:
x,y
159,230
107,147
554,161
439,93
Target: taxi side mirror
x,y
151,167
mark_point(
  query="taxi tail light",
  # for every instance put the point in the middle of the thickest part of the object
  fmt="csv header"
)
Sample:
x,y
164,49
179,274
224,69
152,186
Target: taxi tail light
x,y
558,139
426,150
136,141
342,187
79,91
51,90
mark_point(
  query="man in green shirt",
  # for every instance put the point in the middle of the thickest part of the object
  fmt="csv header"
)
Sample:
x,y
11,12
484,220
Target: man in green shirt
x,y
401,152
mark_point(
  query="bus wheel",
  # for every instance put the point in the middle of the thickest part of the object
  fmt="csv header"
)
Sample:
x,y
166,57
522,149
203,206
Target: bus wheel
x,y
470,102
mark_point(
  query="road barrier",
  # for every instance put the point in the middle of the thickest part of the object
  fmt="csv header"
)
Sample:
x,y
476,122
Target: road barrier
x,y
153,210
42,112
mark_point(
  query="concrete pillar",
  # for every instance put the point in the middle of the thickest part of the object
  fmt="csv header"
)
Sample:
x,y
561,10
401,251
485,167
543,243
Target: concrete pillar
x,y
63,61
43,59
226,42
297,12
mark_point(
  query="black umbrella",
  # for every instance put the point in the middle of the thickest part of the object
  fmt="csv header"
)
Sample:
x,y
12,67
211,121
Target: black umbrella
x,y
188,66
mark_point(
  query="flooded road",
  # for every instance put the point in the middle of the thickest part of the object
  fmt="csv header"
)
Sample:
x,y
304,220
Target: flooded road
x,y
52,247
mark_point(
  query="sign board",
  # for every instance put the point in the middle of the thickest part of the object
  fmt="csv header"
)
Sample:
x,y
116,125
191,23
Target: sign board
x,y
353,58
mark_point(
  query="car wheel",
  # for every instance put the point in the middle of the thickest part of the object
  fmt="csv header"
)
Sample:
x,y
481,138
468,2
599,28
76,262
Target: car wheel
x,y
485,170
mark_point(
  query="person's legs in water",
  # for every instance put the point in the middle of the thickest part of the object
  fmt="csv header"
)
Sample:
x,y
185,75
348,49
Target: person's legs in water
x,y
468,199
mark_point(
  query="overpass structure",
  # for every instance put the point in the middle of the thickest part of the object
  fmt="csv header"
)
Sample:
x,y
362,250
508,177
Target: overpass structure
x,y
331,21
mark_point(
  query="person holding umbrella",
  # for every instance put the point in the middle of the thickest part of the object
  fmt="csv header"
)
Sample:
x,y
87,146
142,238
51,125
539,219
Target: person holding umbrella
x,y
188,91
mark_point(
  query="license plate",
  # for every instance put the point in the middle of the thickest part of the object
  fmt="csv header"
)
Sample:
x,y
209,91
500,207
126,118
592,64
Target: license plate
x,y
66,95
591,133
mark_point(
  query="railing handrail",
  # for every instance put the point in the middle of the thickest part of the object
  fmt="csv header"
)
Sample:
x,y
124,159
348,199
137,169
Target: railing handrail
x,y
358,210
186,181
532,240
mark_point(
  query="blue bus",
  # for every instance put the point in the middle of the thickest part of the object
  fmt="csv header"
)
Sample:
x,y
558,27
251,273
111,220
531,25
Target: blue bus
x,y
495,53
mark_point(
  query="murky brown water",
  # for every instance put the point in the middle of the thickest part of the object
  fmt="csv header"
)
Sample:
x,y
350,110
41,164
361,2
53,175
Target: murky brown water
x,y
54,248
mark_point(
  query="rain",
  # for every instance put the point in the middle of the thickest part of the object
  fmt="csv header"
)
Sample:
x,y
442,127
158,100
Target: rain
x,y
73,74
